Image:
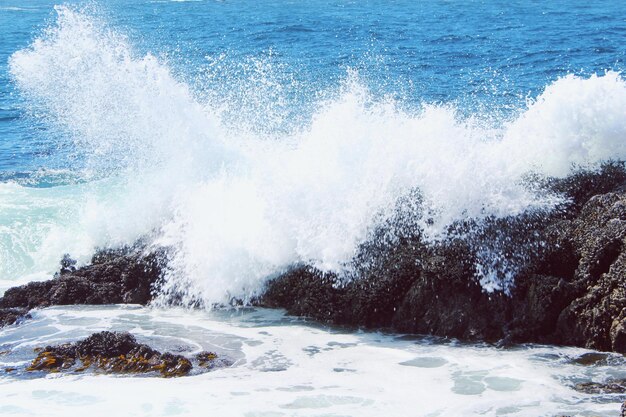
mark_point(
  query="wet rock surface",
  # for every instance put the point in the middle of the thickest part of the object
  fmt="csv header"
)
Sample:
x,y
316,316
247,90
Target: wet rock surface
x,y
126,275
120,353
609,387
571,289
210,360
12,315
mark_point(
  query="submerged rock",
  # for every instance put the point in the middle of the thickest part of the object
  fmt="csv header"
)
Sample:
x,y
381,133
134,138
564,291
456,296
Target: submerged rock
x,y
610,387
592,358
126,275
12,315
119,353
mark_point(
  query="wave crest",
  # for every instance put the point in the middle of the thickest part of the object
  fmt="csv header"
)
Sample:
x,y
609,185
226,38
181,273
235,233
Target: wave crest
x,y
237,207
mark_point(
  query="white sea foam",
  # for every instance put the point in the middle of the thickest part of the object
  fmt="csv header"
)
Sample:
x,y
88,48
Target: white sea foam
x,y
238,206
284,367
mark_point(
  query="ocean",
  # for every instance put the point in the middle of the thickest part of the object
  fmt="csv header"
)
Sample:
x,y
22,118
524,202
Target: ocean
x,y
250,136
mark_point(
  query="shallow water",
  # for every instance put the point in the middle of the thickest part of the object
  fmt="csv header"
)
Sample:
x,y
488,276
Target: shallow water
x,y
287,367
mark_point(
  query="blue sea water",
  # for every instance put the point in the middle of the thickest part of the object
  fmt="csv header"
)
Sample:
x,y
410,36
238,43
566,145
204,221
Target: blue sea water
x,y
477,54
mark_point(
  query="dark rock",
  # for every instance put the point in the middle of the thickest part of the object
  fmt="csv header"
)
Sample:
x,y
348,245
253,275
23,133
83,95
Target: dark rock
x,y
67,264
582,185
110,352
126,275
205,358
610,387
592,358
210,360
13,315
305,291
595,317
570,287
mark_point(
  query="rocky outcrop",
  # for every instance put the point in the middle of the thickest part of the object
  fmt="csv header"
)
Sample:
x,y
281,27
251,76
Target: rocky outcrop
x,y
596,316
125,275
119,353
571,289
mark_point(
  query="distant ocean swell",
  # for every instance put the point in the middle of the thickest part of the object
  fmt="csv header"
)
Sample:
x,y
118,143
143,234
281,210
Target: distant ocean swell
x,y
238,203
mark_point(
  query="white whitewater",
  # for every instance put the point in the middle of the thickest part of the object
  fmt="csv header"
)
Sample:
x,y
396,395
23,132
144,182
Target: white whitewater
x,y
239,206
285,367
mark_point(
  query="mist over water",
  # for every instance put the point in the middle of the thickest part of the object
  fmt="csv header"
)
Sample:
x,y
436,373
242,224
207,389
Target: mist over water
x,y
241,189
